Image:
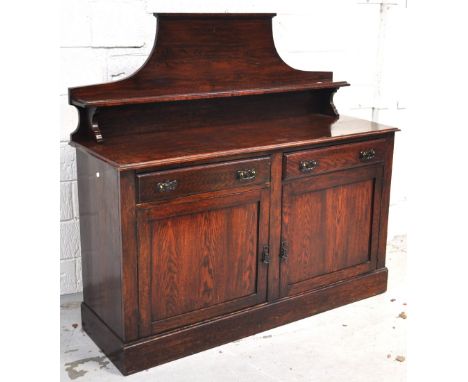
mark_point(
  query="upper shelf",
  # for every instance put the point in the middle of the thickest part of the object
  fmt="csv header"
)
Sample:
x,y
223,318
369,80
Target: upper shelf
x,y
119,96
200,56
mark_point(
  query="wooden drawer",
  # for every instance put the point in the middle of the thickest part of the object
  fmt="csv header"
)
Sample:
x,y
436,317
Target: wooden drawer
x,y
193,180
317,161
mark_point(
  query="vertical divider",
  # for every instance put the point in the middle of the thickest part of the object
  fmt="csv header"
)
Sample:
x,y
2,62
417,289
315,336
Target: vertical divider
x,y
275,225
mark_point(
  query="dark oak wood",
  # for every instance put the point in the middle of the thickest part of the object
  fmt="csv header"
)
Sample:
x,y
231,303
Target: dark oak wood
x,y
215,142
198,179
330,227
101,250
275,225
385,206
129,255
333,158
156,350
206,56
221,194
202,259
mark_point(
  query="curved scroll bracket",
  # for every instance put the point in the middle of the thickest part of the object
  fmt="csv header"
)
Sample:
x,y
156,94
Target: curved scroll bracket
x,y
93,124
88,126
332,108
322,102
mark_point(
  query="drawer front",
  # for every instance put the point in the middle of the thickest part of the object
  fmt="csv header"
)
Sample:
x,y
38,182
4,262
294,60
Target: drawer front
x,y
317,161
193,180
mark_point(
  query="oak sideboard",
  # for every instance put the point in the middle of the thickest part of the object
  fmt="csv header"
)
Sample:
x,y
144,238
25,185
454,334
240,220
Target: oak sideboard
x,y
221,194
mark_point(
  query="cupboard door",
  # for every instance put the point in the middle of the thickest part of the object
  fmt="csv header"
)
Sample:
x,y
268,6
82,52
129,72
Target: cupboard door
x,y
330,226
201,258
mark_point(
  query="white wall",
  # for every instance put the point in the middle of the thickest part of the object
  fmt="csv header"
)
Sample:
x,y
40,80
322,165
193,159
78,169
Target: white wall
x,y
360,41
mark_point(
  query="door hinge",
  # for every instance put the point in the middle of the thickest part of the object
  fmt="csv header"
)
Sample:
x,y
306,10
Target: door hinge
x,y
266,254
284,250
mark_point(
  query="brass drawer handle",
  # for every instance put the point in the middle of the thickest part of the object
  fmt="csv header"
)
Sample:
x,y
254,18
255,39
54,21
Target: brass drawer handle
x,y
308,165
367,155
246,174
167,186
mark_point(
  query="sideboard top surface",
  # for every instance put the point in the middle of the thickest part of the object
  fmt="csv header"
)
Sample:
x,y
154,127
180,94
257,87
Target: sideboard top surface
x,y
163,148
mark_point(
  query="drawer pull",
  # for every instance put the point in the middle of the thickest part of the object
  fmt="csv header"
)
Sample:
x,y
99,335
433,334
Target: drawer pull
x,y
246,174
167,186
308,165
367,155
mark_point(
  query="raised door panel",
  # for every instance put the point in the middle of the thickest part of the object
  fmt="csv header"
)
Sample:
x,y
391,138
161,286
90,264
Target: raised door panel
x,y
329,228
201,259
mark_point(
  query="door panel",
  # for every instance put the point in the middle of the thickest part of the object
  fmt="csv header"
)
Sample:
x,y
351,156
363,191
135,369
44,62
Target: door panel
x,y
202,262
199,261
330,227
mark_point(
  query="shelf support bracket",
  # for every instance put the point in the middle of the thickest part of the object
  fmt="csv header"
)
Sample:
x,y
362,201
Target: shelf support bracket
x,y
93,124
332,107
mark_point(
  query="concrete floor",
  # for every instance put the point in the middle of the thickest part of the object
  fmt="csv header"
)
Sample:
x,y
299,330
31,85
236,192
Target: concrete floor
x,y
360,342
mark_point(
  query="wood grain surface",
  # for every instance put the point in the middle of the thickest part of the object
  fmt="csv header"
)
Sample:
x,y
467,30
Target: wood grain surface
x,y
199,222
